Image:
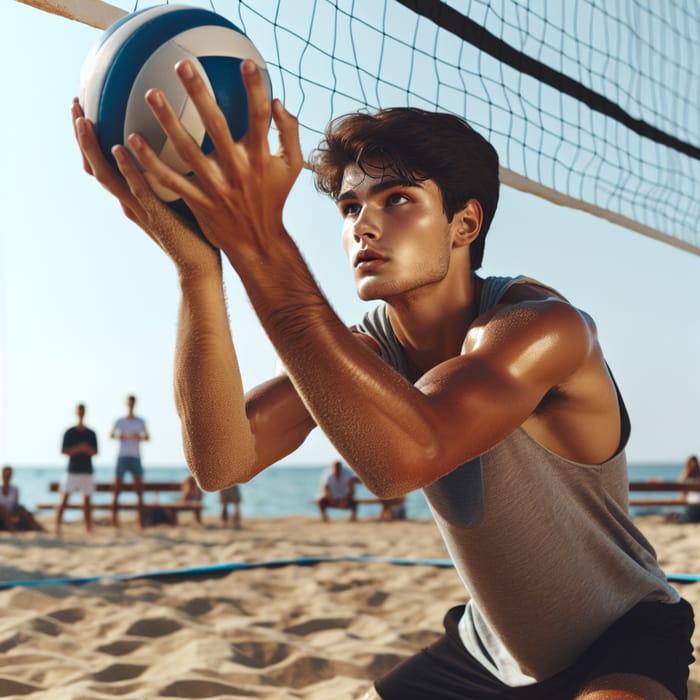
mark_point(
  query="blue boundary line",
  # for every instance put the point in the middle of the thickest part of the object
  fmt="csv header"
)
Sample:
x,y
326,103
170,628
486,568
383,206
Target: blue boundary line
x,y
194,571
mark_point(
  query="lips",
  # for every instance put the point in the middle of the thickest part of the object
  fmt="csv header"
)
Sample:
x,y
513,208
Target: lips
x,y
367,258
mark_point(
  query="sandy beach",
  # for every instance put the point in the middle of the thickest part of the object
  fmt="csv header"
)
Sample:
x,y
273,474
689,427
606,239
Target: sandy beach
x,y
320,631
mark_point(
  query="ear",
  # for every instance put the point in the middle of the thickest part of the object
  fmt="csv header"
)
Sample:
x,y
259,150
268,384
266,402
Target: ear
x,y
467,223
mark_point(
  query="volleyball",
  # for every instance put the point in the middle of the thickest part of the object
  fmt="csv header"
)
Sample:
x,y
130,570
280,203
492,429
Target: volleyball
x,y
139,52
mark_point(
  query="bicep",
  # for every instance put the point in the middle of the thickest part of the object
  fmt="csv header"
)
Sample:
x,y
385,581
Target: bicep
x,y
476,405
483,395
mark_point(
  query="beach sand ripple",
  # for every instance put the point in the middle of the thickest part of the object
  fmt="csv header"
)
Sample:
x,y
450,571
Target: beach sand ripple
x,y
316,632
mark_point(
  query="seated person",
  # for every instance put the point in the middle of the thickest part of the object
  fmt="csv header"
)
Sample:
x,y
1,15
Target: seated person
x,y
337,490
393,509
13,515
232,495
691,474
191,493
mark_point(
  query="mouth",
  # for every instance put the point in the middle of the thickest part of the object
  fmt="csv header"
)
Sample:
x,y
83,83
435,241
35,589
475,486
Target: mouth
x,y
368,260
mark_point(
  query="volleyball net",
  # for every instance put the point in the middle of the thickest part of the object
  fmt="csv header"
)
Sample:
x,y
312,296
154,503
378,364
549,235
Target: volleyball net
x,y
592,105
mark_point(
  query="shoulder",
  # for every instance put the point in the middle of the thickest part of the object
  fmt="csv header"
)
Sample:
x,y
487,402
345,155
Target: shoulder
x,y
536,326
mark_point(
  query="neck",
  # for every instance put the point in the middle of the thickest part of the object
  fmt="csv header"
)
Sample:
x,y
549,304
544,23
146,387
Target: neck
x,y
431,328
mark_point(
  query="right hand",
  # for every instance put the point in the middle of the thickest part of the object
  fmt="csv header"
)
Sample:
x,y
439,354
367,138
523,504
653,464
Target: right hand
x,y
192,254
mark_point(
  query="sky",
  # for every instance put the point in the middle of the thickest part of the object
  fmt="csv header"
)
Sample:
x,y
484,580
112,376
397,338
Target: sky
x,y
88,304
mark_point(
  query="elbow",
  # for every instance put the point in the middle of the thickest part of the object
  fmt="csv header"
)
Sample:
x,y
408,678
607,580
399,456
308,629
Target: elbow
x,y
411,469
216,472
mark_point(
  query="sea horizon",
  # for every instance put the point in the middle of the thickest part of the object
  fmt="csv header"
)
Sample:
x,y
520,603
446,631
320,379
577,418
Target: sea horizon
x,y
280,490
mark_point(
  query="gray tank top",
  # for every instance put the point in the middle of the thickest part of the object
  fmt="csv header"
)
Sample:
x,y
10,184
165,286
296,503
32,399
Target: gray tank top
x,y
544,546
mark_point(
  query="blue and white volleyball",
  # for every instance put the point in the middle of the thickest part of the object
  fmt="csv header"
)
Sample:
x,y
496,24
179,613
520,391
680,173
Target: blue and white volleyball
x,y
139,52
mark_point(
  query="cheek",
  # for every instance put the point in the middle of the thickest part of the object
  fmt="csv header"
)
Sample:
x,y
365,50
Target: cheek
x,y
346,240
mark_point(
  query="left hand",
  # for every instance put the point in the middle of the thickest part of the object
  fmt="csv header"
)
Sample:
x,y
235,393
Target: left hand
x,y
238,191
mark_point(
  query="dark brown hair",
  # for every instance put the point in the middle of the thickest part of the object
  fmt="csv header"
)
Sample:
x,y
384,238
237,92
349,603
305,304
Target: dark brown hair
x,y
416,145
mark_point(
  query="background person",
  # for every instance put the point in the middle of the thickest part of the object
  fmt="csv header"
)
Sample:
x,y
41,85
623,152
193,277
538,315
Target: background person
x,y
131,432
691,474
393,509
80,445
191,493
337,490
13,515
231,496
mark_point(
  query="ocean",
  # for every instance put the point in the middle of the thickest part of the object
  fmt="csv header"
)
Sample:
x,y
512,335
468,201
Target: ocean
x,y
277,491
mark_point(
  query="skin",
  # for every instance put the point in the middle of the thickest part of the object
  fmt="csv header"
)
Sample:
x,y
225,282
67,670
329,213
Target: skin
x,y
533,361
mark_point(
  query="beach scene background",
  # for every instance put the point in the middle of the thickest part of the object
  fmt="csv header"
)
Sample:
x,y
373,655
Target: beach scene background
x,y
278,491
88,309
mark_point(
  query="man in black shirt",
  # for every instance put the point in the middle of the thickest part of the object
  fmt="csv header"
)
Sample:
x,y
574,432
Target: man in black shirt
x,y
80,444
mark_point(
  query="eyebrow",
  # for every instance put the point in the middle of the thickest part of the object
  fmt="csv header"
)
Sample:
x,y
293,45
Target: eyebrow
x,y
380,187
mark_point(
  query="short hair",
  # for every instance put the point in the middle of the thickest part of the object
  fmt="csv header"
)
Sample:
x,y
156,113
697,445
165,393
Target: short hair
x,y
131,398
416,145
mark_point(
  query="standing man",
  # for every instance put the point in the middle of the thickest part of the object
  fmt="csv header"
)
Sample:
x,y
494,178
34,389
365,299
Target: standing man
x,y
337,491
80,445
130,431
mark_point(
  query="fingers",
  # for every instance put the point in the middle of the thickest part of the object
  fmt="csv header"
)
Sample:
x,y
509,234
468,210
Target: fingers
x,y
132,175
258,110
288,130
163,174
148,211
185,146
95,162
211,115
77,113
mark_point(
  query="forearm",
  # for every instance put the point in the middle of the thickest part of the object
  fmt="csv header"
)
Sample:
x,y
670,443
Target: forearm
x,y
376,419
218,442
82,449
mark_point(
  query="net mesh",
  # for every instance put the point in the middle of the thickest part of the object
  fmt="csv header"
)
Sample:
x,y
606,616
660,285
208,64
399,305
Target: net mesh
x,y
597,101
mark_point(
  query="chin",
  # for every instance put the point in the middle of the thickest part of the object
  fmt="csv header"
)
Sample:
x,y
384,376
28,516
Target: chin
x,y
372,289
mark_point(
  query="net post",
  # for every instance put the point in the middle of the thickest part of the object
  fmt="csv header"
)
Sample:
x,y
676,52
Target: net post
x,y
94,13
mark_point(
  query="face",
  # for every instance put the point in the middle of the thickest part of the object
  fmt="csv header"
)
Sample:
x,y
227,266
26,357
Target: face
x,y
395,234
6,473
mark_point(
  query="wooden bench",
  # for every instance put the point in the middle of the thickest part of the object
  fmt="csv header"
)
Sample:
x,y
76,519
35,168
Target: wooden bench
x,y
148,487
656,487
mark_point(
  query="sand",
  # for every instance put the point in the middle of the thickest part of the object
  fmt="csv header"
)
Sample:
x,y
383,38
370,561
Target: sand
x,y
317,632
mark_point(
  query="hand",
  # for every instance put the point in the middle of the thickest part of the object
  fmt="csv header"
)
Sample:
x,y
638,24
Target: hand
x,y
180,241
238,192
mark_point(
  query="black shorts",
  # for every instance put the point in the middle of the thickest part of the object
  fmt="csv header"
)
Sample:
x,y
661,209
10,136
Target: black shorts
x,y
652,639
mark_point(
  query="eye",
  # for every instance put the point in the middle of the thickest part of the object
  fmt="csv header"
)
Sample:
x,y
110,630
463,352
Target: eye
x,y
396,198
349,209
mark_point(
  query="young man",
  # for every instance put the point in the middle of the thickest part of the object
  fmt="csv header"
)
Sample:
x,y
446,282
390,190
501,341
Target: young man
x,y
80,446
491,394
130,431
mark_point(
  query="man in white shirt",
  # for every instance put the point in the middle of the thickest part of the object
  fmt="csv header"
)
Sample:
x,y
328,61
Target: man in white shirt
x,y
337,490
130,431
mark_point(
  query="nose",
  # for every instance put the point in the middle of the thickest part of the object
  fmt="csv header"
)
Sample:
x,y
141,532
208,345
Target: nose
x,y
366,225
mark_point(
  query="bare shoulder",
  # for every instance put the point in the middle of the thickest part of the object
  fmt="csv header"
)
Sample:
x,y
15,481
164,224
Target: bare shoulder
x,y
531,317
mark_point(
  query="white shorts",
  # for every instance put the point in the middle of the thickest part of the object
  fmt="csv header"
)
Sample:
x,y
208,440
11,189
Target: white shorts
x,y
78,482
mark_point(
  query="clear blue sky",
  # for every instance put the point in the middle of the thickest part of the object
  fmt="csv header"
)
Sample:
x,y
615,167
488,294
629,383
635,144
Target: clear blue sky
x,y
88,304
